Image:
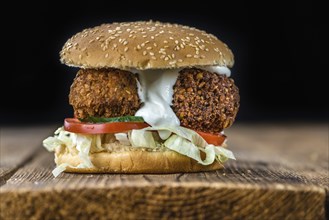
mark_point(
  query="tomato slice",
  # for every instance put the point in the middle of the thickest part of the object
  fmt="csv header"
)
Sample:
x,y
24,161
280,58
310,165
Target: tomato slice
x,y
76,126
215,139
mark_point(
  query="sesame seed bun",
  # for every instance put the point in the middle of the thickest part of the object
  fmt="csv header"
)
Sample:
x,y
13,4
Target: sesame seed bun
x,y
144,45
135,161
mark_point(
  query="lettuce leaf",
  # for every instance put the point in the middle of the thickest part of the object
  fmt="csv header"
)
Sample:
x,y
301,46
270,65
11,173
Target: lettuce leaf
x,y
83,146
60,169
122,138
81,142
185,147
142,138
179,139
184,141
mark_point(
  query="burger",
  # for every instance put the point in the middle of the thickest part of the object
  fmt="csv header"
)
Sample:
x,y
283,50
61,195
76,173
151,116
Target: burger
x,y
149,97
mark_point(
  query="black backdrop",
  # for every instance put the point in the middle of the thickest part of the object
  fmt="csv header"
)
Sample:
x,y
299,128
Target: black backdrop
x,y
281,54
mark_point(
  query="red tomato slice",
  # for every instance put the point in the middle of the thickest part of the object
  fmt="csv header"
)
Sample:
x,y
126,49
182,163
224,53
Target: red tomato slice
x,y
215,139
76,126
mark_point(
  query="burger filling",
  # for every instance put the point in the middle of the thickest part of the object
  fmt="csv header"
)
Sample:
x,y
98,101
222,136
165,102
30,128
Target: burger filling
x,y
183,110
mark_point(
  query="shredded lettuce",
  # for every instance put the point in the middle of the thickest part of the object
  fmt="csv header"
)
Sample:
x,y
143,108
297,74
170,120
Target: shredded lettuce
x,y
81,142
83,146
122,138
51,143
185,147
142,138
60,169
184,141
179,139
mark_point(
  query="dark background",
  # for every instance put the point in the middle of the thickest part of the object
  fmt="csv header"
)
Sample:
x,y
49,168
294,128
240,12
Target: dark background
x,y
281,54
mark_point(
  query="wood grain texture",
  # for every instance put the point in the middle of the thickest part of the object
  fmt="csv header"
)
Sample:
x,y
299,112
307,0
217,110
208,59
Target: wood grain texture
x,y
17,146
269,181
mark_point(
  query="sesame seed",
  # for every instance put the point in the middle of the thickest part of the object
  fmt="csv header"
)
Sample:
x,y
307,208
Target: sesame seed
x,y
144,53
125,42
188,55
151,53
176,41
149,48
173,62
139,47
166,58
126,49
106,55
165,41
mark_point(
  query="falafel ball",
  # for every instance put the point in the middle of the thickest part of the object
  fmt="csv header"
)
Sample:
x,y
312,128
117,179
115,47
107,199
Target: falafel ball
x,y
104,93
205,101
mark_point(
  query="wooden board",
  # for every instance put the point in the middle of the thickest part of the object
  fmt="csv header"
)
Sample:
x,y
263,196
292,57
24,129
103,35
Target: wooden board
x,y
17,146
281,173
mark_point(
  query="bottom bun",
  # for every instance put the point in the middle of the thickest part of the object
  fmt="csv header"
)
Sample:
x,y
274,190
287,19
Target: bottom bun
x,y
136,162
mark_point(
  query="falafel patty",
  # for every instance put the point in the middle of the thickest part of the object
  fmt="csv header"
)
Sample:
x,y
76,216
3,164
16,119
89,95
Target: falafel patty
x,y
104,93
205,101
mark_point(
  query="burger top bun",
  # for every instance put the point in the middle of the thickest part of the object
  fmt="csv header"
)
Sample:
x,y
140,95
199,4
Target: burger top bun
x,y
144,45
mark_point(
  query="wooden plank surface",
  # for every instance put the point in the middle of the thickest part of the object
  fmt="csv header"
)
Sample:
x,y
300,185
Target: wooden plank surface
x,y
17,146
281,173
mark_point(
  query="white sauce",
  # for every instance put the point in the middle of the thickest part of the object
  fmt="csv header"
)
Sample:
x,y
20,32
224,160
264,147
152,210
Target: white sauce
x,y
155,89
217,69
